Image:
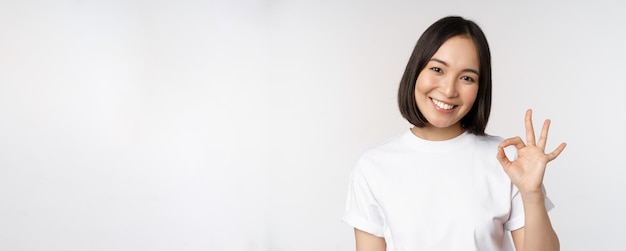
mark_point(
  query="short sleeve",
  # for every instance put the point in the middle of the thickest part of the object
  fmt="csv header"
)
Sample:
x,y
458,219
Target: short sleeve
x,y
516,218
362,209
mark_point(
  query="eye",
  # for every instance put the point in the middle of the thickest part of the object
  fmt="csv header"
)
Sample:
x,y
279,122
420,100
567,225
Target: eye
x,y
437,69
469,79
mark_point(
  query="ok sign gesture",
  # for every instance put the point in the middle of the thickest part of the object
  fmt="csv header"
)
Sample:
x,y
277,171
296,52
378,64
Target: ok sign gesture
x,y
527,171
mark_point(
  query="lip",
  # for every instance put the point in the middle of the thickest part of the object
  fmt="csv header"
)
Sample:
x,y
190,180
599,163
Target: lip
x,y
432,101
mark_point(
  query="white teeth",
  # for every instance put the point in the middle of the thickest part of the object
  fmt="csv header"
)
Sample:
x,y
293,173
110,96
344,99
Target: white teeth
x,y
442,105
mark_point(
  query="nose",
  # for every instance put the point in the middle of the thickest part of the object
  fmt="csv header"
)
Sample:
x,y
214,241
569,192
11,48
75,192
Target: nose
x,y
447,87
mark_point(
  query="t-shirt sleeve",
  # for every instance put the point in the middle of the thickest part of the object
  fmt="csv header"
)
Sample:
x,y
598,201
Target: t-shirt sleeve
x,y
516,219
362,209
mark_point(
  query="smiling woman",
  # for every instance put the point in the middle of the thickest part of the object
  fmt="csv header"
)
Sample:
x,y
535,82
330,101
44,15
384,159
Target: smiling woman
x,y
446,88
234,124
439,186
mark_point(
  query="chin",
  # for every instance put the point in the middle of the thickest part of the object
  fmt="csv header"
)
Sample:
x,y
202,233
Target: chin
x,y
444,125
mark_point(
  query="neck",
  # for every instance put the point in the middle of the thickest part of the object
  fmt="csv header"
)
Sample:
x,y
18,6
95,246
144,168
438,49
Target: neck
x,y
432,133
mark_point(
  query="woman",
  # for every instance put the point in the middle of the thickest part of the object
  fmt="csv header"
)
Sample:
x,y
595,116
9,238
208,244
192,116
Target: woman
x,y
444,184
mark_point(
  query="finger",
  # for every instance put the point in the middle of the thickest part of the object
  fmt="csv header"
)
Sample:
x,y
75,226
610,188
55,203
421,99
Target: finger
x,y
556,152
543,138
504,161
530,132
517,142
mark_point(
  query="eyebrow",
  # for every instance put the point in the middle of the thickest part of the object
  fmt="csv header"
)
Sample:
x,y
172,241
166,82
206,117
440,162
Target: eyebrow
x,y
446,64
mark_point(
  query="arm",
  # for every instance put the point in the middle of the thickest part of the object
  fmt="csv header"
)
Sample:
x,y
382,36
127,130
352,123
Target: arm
x,y
368,242
537,234
526,172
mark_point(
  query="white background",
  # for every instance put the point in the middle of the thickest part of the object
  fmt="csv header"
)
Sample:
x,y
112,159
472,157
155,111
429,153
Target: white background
x,y
233,125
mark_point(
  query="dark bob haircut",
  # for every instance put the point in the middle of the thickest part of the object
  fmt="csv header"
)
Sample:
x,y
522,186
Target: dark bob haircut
x,y
476,119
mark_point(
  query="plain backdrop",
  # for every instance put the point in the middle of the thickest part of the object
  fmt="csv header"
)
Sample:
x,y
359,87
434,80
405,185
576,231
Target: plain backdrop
x,y
233,125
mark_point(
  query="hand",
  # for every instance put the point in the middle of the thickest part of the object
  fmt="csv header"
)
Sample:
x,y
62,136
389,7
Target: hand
x,y
527,171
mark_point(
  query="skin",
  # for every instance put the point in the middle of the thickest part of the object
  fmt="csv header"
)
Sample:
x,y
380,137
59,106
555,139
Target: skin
x,y
451,77
368,242
527,172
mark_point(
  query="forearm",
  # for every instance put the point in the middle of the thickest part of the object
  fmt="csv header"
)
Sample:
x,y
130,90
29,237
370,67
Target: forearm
x,y
538,231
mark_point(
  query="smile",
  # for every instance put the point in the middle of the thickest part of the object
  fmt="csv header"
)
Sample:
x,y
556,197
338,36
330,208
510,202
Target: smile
x,y
442,105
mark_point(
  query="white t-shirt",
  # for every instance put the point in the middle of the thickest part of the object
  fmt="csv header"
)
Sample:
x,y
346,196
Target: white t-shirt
x,y
435,195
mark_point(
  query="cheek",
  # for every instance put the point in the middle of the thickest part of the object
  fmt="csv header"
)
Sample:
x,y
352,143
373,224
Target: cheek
x,y
424,84
470,94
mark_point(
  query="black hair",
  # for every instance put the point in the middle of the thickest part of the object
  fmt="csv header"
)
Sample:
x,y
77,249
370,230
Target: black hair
x,y
475,121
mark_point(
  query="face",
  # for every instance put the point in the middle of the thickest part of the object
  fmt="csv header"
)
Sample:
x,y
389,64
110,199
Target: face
x,y
446,88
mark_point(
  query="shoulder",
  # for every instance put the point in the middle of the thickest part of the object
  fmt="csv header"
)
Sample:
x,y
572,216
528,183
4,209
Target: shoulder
x,y
390,146
384,156
488,139
488,144
493,142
